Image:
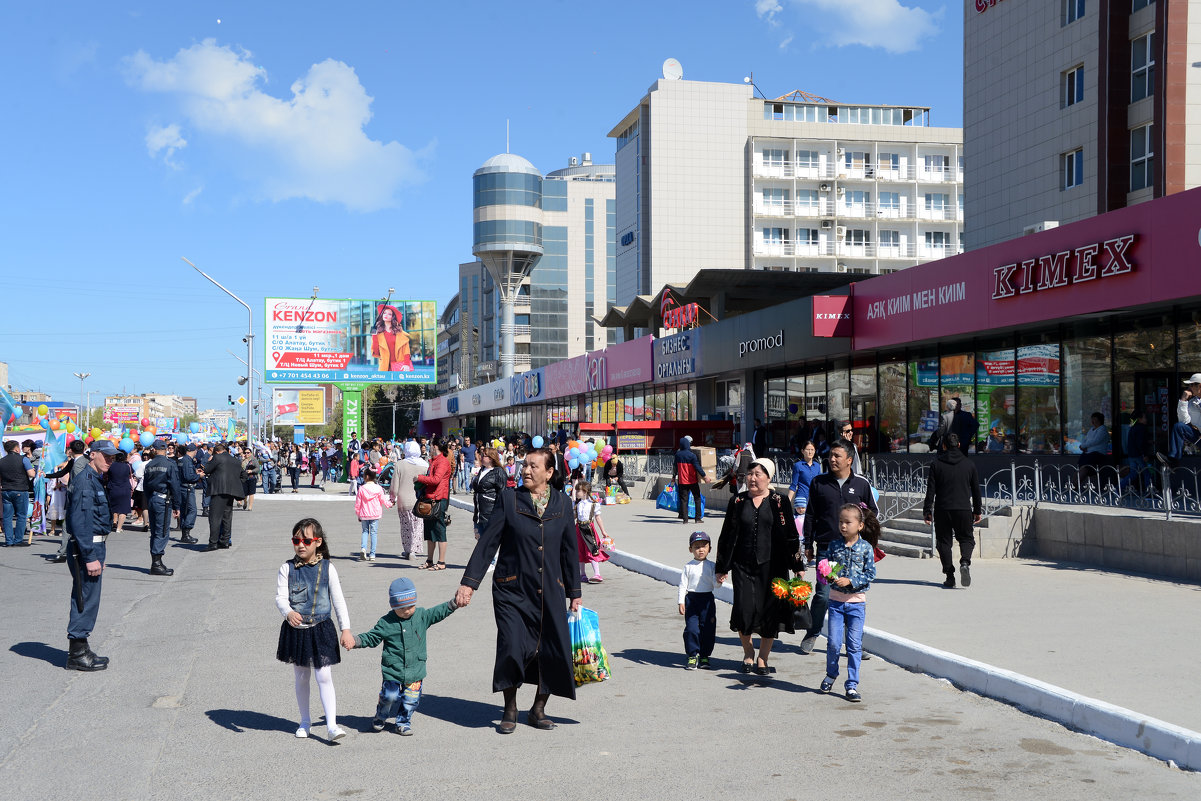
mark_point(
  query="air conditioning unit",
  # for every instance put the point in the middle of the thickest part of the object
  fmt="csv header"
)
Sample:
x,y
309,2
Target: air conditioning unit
x,y
841,232
840,152
840,268
841,191
824,187
827,224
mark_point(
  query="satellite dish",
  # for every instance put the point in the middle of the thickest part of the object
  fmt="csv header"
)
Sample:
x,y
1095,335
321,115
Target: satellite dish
x,y
672,70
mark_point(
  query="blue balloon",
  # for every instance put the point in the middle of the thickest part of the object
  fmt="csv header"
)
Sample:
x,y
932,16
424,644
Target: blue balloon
x,y
181,437
537,442
194,428
146,438
573,464
126,444
572,453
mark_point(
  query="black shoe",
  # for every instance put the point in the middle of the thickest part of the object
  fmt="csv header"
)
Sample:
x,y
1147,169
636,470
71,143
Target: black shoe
x,y
22,544
965,574
80,658
209,547
949,584
157,568
59,559
188,539
808,643
224,545
99,660
377,725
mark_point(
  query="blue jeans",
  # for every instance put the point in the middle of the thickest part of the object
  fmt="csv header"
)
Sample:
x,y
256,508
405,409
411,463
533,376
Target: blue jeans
x,y
16,504
845,623
1182,434
187,512
394,702
370,532
821,597
700,623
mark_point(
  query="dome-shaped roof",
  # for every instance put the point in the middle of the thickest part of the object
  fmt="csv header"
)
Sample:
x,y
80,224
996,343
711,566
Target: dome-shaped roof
x,y
507,162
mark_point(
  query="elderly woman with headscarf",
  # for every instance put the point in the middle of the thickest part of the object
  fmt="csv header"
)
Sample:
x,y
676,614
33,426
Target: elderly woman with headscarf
x,y
758,543
390,342
403,494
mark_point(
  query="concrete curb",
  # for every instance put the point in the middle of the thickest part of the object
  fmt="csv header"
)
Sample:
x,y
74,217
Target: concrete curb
x,y
1116,724
323,497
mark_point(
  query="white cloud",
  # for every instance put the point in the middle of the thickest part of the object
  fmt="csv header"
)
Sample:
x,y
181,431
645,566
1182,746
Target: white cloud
x,y
165,138
884,24
190,196
311,145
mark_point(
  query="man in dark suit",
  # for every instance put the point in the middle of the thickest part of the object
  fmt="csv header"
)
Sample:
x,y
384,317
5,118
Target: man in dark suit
x,y
224,475
559,479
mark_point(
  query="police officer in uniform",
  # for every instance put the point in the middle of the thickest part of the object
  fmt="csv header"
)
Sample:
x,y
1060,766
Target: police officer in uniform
x,y
202,459
160,484
89,523
188,479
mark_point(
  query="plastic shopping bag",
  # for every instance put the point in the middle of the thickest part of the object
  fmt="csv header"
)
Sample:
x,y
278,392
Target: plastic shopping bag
x,y
590,662
667,498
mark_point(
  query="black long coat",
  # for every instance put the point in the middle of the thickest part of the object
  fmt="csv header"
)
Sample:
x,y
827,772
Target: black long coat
x,y
783,559
535,575
224,474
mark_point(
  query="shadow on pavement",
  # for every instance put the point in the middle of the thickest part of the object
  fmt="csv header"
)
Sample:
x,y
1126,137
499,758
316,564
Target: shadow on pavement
x,y
239,720
42,651
644,656
748,681
458,711
914,582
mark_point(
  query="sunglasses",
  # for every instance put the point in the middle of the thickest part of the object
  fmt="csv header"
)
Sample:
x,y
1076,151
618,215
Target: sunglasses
x,y
305,540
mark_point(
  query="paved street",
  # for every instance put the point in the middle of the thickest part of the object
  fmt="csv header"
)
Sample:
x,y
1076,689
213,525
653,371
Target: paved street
x,y
195,705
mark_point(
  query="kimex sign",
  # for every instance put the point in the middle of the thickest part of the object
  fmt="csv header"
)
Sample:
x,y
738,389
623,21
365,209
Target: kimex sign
x,y
1087,263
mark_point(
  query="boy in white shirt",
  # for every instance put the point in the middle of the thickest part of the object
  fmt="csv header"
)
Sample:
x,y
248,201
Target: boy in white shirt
x,y
697,604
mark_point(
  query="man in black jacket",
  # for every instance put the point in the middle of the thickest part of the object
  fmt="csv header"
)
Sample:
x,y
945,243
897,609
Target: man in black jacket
x,y
955,484
828,493
224,475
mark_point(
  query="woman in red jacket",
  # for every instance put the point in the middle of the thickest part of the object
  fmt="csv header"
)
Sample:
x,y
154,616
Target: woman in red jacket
x,y
436,484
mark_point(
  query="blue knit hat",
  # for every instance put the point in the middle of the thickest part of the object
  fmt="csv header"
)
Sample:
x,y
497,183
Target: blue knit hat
x,y
402,594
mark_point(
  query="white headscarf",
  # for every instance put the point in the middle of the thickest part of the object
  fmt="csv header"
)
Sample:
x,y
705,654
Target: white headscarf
x,y
413,455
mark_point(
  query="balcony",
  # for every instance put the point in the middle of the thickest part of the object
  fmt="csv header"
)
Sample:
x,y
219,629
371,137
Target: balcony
x,y
937,175
935,251
790,169
946,214
792,249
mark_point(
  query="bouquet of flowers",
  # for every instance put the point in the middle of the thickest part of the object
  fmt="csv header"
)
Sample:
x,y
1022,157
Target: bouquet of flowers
x,y
796,592
827,571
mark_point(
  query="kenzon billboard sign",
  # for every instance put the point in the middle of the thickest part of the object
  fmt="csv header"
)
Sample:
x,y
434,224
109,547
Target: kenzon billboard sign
x,y
1132,257
329,341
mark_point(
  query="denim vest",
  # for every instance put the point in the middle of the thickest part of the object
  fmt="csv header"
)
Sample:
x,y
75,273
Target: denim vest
x,y
308,592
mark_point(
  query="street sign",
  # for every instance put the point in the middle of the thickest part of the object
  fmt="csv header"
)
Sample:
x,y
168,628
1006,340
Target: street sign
x,y
241,400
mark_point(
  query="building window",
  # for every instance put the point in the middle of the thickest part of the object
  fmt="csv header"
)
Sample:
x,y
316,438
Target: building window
x,y
937,241
1072,168
1142,67
890,243
807,241
1142,158
1072,10
775,158
1136,5
936,167
1073,86
775,199
890,204
807,159
807,201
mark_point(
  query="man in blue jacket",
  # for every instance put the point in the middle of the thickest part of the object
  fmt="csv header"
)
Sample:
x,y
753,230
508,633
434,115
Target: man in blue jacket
x,y
160,484
188,479
89,522
687,474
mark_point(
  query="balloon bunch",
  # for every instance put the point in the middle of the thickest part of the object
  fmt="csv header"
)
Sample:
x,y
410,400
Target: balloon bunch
x,y
586,453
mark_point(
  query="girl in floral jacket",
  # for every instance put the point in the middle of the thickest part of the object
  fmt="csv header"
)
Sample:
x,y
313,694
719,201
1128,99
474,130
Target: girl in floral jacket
x,y
856,560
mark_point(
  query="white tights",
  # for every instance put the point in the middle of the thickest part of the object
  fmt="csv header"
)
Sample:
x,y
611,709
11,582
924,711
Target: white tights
x,y
325,688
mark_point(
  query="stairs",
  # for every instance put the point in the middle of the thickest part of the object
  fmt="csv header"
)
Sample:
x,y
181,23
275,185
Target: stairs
x,y
907,535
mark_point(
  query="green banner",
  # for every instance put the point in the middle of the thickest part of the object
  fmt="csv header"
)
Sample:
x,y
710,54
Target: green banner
x,y
352,413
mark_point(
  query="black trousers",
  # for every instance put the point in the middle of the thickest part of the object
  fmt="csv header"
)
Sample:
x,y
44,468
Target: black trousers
x,y
948,527
221,519
682,492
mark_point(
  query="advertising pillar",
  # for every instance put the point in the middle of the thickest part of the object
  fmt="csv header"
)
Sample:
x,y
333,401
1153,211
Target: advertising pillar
x,y
352,413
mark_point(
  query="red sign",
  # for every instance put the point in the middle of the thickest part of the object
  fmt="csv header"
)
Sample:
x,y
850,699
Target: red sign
x,y
1131,257
985,5
676,316
832,315
313,361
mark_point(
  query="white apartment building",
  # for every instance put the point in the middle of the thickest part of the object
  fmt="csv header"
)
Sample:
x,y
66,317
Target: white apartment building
x,y
1073,108
710,176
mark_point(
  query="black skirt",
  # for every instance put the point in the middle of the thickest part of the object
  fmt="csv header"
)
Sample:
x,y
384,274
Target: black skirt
x,y
316,646
756,610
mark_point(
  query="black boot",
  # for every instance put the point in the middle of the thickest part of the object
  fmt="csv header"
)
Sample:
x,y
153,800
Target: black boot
x,y
186,537
949,584
102,661
80,658
157,568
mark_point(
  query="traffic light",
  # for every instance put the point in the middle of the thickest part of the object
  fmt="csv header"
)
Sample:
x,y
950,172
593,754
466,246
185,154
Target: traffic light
x,y
230,398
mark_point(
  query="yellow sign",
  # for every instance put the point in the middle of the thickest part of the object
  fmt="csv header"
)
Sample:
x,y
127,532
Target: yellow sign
x,y
311,411
241,400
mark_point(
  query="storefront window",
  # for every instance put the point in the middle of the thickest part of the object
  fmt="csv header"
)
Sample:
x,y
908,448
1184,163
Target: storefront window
x,y
923,401
637,405
1038,396
776,406
1188,338
686,402
996,401
1086,383
863,409
893,415
1144,370
838,391
815,396
608,409
957,373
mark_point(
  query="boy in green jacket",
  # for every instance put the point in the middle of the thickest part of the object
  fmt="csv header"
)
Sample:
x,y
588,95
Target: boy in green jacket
x,y
402,631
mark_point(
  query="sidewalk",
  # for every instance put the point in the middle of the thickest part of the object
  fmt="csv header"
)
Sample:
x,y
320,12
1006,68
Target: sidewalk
x,y
1126,639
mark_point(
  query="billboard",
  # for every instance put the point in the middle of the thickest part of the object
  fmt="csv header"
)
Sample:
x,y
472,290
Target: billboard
x,y
321,340
299,407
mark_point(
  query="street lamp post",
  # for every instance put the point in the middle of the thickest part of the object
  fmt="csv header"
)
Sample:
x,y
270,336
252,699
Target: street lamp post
x,y
249,348
262,434
82,377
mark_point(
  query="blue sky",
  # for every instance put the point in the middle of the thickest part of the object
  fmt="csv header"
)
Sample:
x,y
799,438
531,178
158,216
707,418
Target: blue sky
x,y
282,146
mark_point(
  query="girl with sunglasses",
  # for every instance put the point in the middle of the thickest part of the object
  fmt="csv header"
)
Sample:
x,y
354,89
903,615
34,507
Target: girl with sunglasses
x,y
307,594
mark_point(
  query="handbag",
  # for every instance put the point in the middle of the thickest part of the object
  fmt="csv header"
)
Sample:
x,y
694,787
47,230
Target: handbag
x,y
588,533
589,660
802,617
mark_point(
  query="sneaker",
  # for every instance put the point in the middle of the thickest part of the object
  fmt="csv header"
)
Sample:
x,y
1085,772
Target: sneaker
x,y
703,663
371,557
827,683
335,733
404,729
377,724
692,661
362,554
808,643
965,575
853,695
302,732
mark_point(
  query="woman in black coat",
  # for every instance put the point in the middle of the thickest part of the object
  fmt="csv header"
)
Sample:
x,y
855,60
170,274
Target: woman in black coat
x,y
533,527
758,543
486,487
613,471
